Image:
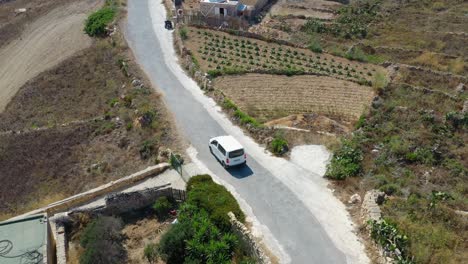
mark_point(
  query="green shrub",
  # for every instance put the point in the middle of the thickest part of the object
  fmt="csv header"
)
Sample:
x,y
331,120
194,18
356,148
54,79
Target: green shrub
x,y
314,45
147,149
279,145
421,155
346,162
457,119
150,253
102,242
391,239
161,207
361,122
379,81
390,188
196,239
97,22
215,199
228,104
183,33
172,246
356,54
246,119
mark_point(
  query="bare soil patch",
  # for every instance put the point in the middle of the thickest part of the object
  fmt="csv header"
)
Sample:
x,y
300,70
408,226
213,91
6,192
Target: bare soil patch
x,y
305,8
42,160
268,97
13,22
44,43
141,233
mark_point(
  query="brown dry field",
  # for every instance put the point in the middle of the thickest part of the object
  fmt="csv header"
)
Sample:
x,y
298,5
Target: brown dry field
x,y
269,97
308,8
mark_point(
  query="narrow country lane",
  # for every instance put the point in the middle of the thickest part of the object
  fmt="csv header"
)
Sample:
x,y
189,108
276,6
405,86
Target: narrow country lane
x,y
301,219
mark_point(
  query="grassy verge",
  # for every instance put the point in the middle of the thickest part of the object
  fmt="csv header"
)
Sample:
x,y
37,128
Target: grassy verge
x,y
244,118
409,148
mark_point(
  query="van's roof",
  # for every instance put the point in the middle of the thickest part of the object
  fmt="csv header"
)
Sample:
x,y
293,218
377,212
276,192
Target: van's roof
x,y
229,143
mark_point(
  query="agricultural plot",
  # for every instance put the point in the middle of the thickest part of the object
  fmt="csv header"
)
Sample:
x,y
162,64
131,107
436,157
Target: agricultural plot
x,y
268,97
221,53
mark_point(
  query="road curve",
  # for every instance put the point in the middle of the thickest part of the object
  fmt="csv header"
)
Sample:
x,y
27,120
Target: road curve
x,y
301,237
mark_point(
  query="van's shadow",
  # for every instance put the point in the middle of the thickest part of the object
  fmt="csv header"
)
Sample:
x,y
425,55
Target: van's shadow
x,y
241,171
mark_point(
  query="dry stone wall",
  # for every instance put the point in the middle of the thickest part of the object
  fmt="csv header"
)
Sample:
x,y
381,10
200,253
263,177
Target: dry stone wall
x,y
244,233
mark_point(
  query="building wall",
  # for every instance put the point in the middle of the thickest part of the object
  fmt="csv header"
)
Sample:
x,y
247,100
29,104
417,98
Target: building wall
x,y
209,9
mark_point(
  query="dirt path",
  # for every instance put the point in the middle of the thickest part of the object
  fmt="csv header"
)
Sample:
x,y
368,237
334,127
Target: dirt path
x,y
43,44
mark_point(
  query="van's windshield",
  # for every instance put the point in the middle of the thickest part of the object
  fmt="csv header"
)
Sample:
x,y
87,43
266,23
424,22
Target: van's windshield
x,y
236,153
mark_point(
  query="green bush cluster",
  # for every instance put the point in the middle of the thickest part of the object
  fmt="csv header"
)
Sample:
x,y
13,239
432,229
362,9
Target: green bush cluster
x,y
196,239
203,232
147,149
97,22
391,239
346,161
103,242
457,120
162,206
279,145
214,199
183,33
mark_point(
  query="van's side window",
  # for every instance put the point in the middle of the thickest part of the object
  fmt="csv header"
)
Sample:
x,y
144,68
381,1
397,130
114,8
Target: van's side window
x,y
223,151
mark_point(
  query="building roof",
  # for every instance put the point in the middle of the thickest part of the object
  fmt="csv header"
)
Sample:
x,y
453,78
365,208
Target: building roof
x,y
23,240
229,143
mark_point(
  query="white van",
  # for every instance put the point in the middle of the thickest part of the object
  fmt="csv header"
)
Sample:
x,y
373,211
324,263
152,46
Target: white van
x,y
228,151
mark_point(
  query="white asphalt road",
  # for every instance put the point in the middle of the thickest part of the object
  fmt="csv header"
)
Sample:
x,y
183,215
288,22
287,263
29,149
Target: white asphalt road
x,y
288,203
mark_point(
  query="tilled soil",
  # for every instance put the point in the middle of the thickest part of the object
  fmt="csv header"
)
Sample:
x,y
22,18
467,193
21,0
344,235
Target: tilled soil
x,y
272,96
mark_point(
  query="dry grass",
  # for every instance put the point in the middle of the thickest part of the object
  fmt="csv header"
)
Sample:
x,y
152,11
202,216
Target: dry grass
x,y
66,160
269,97
141,233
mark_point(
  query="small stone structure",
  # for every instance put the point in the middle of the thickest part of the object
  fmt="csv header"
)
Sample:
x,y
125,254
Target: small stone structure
x,y
244,233
370,209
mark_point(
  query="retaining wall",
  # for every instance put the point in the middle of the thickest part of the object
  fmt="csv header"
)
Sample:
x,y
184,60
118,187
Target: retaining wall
x,y
249,240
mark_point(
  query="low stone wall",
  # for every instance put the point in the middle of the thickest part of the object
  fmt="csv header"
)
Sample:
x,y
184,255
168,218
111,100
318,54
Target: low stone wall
x,y
244,233
370,210
92,194
126,202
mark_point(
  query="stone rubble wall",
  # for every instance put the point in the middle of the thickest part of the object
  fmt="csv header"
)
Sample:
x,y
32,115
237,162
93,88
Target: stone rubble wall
x,y
88,196
370,210
126,202
244,233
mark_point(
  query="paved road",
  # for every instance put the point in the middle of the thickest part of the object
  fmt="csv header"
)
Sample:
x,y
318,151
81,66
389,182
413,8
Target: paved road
x,y
272,202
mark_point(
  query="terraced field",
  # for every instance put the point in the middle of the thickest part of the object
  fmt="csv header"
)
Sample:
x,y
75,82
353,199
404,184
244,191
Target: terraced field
x,y
220,51
269,97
